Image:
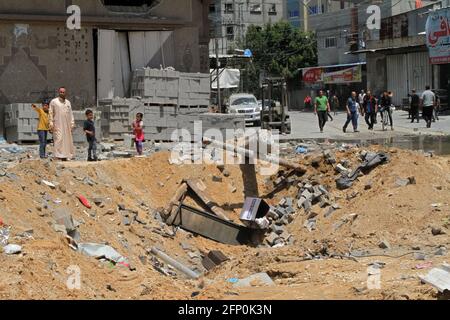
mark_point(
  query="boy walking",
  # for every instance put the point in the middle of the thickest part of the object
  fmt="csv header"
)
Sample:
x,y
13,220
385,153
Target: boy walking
x,y
89,129
43,128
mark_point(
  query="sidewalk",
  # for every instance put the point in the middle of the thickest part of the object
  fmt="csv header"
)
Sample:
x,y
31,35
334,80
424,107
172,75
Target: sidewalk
x,y
305,126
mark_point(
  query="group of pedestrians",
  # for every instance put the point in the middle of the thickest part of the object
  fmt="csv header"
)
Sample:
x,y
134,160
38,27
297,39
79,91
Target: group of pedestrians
x,y
364,104
368,105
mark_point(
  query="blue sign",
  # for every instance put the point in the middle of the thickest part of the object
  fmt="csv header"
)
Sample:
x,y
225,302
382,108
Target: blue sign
x,y
248,53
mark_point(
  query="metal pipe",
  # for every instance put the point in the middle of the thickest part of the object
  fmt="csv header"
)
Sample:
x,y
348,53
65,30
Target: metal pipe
x,y
174,263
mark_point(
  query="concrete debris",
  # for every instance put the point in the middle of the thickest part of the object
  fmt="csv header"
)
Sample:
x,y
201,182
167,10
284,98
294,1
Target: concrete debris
x,y
401,182
102,251
438,277
258,279
271,238
384,244
436,231
12,249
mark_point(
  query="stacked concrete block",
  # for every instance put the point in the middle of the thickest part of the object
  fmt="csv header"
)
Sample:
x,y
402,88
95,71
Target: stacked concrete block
x,y
20,122
156,86
194,89
118,114
78,134
170,87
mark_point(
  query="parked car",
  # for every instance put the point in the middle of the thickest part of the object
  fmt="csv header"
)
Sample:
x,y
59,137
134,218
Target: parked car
x,y
246,104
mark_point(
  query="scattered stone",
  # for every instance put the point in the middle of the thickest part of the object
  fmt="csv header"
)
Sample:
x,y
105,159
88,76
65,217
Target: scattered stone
x,y
419,256
119,188
401,182
121,206
437,231
368,185
161,184
285,236
441,251
12,249
226,173
384,244
110,212
307,195
126,221
216,178
310,225
316,162
300,202
277,229
62,188
329,212
270,239
412,180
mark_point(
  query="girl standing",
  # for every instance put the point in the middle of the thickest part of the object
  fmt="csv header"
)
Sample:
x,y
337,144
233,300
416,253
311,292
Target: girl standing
x,y
138,131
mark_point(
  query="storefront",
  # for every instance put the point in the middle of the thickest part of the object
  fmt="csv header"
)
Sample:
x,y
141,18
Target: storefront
x,y
337,79
438,43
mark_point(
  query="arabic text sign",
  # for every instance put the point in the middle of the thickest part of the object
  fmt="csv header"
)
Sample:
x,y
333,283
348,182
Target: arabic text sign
x,y
349,75
312,75
438,36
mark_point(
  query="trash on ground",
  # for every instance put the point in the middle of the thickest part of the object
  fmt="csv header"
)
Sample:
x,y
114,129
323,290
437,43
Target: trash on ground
x,y
438,277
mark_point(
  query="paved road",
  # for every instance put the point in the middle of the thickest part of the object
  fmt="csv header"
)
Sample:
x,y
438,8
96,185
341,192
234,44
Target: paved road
x,y
305,125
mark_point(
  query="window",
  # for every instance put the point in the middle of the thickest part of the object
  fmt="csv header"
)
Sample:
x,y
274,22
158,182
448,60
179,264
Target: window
x,y
273,10
230,32
229,8
330,42
255,9
212,8
294,14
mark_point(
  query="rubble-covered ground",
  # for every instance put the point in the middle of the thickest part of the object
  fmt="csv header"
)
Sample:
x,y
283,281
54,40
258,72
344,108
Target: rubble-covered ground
x,y
395,218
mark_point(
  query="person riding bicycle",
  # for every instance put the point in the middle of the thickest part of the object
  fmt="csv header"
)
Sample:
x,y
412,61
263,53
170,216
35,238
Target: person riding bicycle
x,y
386,105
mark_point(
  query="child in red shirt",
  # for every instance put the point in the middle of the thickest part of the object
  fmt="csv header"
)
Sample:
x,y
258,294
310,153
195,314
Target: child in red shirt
x,y
138,131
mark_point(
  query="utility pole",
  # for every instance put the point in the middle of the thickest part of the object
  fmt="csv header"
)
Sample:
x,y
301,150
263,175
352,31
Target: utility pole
x,y
304,4
219,105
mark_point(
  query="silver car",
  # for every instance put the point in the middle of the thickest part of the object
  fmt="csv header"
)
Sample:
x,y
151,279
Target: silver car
x,y
246,104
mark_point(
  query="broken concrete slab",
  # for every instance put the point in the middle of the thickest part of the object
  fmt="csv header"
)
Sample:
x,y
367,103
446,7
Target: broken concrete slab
x,y
438,277
277,229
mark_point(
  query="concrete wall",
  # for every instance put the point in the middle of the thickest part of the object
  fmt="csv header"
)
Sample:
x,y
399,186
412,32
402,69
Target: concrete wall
x,y
38,54
35,59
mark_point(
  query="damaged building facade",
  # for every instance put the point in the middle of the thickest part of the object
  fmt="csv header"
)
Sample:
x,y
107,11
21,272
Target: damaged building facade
x,y
38,53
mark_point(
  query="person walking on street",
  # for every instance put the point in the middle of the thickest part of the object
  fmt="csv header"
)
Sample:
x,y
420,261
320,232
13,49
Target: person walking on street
x,y
352,112
436,109
361,97
414,108
62,123
322,108
428,101
370,109
307,102
386,104
334,104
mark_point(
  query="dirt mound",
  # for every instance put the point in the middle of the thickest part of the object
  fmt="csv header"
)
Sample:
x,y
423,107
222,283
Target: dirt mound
x,y
401,216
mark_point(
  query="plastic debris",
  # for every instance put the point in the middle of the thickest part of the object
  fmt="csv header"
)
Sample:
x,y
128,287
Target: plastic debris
x,y
84,201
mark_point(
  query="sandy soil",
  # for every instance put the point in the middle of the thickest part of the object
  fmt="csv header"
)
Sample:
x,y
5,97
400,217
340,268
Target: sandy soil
x,y
401,215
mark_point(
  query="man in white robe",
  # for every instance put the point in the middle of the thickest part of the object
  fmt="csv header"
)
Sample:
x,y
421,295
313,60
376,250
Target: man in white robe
x,y
62,123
